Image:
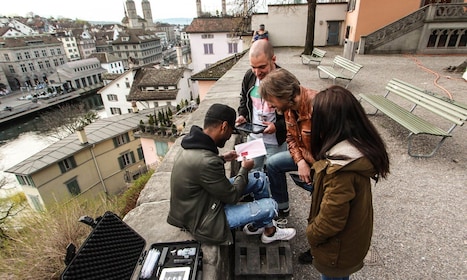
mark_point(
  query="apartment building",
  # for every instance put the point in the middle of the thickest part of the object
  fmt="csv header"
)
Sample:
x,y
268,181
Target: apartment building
x,y
146,87
137,47
29,61
69,45
79,74
109,62
98,160
215,38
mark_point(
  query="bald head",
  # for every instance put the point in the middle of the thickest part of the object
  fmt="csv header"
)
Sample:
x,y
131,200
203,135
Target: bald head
x,y
261,47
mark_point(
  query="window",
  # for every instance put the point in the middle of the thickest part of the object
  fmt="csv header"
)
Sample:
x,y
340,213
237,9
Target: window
x,y
62,61
121,139
208,49
27,55
126,159
112,97
36,202
56,62
52,52
23,68
7,57
41,65
19,56
207,36
161,148
67,164
44,53
115,111
31,66
12,69
25,180
73,186
233,47
36,53
140,153
47,63
59,51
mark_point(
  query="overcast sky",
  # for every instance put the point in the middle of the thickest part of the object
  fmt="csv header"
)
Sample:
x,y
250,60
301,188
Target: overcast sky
x,y
106,10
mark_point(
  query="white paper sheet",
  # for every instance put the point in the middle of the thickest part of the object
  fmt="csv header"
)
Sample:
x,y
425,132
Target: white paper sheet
x,y
250,149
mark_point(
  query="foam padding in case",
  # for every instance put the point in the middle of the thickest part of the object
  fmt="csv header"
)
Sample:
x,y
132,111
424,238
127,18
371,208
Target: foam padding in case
x,y
111,251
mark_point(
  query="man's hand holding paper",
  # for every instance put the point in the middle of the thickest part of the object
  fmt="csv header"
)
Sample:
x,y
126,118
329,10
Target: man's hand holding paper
x,y
250,149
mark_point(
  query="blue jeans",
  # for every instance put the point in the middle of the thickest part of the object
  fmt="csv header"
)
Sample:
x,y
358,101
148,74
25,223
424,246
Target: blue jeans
x,y
261,211
324,277
270,151
276,167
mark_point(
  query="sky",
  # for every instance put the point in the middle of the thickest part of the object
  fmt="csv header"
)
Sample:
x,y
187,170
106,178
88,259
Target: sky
x,y
106,10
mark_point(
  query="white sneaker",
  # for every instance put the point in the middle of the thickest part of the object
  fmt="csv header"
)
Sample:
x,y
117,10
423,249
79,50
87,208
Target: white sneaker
x,y
280,234
247,229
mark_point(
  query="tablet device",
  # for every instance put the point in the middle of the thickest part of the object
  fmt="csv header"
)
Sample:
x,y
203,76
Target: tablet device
x,y
251,127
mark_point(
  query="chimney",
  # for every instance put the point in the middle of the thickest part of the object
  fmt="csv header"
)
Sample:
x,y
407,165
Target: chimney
x,y
224,8
198,8
178,48
134,107
83,139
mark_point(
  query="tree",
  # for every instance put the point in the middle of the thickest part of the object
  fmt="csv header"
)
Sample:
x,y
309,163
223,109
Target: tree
x,y
310,27
64,120
9,208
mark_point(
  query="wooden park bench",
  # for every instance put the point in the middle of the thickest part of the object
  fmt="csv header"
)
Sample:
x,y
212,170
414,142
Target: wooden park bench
x,y
454,112
315,56
342,68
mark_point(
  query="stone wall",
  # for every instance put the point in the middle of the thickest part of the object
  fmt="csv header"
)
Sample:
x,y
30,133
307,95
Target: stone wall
x,y
149,217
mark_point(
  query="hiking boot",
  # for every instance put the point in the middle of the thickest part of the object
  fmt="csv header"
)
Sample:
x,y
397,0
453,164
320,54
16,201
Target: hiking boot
x,y
305,257
281,234
249,229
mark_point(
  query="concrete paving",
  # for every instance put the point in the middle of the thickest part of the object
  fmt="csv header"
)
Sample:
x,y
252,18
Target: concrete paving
x,y
420,209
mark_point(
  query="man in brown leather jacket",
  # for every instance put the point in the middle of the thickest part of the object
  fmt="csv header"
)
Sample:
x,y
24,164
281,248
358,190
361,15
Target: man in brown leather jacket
x,y
283,91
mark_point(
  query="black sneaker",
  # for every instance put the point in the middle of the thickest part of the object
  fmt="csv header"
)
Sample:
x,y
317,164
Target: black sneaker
x,y
305,257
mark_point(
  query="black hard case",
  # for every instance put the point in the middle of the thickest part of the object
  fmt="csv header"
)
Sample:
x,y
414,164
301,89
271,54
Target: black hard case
x,y
113,250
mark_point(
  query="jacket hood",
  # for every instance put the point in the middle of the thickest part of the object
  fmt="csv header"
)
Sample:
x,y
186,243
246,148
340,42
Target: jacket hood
x,y
355,163
197,139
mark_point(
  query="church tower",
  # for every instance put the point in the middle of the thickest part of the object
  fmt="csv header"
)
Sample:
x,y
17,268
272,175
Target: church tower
x,y
147,13
131,14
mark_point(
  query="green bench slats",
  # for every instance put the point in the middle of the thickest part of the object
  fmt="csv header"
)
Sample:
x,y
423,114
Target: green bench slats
x,y
316,56
453,111
342,68
410,121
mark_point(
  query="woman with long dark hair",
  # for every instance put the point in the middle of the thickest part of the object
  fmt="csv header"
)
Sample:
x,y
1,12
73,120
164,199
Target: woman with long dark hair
x,y
349,152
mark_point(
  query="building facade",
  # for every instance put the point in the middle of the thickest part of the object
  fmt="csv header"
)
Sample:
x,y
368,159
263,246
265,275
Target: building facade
x,y
79,74
147,87
137,47
99,160
215,38
29,61
70,46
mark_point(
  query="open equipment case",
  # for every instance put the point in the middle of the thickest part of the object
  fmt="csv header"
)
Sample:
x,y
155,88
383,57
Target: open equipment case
x,y
113,250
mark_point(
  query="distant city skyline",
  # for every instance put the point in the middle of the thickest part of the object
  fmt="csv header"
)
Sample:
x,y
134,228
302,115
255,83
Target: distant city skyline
x,y
107,10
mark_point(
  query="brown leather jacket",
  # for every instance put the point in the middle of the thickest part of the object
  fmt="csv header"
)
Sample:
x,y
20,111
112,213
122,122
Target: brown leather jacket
x,y
299,127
